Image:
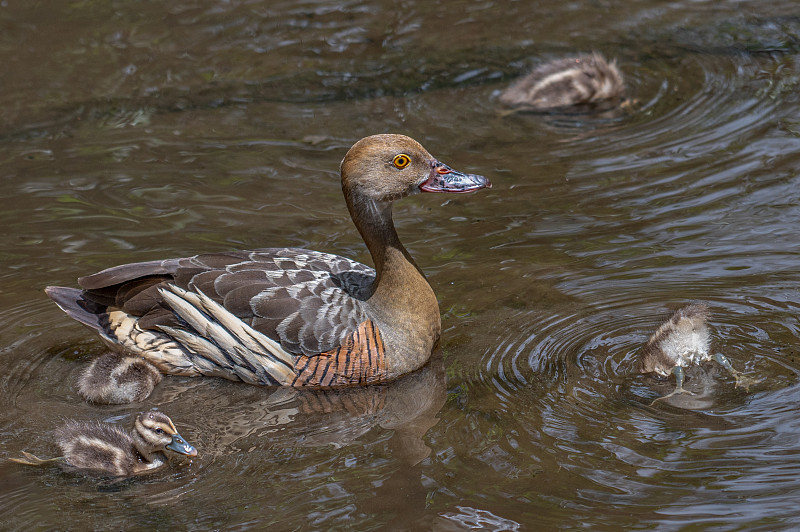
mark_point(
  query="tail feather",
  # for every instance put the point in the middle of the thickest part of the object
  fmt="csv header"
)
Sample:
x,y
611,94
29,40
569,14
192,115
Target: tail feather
x,y
213,341
71,301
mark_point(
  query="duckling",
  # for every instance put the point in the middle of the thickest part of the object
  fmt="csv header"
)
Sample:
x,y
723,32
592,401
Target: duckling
x,y
681,341
114,378
584,80
107,449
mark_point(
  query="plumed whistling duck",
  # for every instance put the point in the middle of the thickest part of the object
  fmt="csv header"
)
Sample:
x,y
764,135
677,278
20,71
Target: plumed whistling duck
x,y
286,316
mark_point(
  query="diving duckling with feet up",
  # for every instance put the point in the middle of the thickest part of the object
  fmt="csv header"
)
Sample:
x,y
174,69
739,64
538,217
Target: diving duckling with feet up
x,y
106,449
587,80
114,378
684,340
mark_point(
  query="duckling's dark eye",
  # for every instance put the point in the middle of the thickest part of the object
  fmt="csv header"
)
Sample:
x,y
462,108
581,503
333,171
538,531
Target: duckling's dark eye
x,y
159,431
401,160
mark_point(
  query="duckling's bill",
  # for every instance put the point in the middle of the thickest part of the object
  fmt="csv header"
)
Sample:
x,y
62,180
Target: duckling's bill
x,y
181,446
445,179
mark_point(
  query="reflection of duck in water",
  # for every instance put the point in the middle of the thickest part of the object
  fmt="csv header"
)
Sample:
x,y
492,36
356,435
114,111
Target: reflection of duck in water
x,y
114,378
576,81
287,316
684,340
106,449
248,417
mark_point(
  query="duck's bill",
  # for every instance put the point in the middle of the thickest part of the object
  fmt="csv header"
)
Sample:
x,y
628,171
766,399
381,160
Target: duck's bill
x,y
445,179
181,446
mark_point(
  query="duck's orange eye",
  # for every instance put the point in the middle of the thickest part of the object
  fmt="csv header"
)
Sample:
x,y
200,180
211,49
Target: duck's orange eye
x,y
401,160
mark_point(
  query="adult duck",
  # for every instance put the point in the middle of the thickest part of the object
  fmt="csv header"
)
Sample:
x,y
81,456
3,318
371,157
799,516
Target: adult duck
x,y
287,316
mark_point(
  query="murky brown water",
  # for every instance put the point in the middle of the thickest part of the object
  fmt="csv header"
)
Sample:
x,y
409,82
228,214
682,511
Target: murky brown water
x,y
134,131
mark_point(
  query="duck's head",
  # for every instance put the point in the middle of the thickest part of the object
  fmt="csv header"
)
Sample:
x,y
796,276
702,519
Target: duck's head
x,y
156,430
384,168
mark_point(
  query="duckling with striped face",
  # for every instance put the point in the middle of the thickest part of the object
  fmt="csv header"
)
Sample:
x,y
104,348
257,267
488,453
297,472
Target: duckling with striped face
x,y
684,340
107,450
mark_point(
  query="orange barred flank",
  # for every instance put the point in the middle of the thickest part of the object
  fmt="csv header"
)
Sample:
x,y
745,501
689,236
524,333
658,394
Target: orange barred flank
x,y
359,360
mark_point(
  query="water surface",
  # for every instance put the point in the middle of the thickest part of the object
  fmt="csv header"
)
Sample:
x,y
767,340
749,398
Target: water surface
x,y
134,132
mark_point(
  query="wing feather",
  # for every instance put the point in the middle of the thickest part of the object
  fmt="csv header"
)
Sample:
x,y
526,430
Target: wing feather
x,y
306,300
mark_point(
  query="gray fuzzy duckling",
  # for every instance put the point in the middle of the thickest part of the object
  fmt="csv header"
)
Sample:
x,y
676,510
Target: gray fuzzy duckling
x,y
114,378
684,340
584,80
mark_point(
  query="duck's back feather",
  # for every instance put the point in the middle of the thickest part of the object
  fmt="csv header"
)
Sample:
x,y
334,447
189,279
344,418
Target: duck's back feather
x,y
306,300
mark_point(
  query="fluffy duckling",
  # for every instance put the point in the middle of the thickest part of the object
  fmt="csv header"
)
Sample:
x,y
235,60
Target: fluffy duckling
x,y
584,80
682,341
114,379
107,449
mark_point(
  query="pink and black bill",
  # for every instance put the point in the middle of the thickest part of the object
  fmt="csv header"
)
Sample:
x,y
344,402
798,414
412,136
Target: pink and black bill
x,y
445,179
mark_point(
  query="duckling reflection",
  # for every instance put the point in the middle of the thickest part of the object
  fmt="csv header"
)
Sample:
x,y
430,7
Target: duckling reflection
x,y
684,340
587,80
106,449
114,378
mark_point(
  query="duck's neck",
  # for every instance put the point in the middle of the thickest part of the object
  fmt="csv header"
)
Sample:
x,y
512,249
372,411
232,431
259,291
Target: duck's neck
x,y
149,457
374,222
401,300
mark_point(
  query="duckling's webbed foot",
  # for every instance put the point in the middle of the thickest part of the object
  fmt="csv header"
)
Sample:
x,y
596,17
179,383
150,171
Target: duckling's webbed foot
x,y
679,389
31,459
745,381
742,380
